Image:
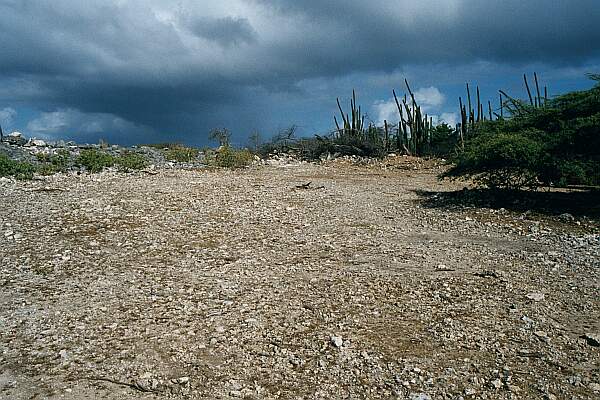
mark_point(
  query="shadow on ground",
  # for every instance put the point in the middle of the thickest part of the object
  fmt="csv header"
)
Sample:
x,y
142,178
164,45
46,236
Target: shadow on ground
x,y
550,203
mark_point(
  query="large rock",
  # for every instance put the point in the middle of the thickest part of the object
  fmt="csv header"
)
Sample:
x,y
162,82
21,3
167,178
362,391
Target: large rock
x,y
37,143
16,138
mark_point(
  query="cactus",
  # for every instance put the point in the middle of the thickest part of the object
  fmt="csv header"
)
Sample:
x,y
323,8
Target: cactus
x,y
538,99
386,144
420,124
527,87
353,123
478,105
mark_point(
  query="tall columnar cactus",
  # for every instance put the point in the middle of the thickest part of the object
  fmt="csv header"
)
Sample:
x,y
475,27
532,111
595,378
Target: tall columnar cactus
x,y
538,99
478,105
469,118
528,91
353,123
418,124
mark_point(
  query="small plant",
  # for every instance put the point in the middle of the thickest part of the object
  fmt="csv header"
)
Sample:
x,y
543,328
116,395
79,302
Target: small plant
x,y
228,157
52,164
19,170
60,161
130,161
42,157
181,154
222,135
94,160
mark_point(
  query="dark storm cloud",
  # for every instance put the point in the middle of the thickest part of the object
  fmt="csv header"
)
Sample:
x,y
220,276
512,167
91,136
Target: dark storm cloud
x,y
189,65
366,35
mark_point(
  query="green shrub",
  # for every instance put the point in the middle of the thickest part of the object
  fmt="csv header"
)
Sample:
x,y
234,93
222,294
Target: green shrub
x,y
130,161
19,170
94,160
52,164
228,157
554,145
181,154
46,169
443,141
506,160
42,157
60,161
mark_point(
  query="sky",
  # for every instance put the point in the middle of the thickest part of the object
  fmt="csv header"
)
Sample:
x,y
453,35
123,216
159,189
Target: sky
x,y
147,71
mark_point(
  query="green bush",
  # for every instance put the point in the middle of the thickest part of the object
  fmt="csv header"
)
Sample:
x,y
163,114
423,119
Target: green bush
x,y
554,145
52,164
228,157
19,170
443,141
42,157
60,161
500,160
130,161
181,154
94,160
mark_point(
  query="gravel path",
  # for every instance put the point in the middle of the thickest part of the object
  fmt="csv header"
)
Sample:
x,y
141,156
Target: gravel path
x,y
221,284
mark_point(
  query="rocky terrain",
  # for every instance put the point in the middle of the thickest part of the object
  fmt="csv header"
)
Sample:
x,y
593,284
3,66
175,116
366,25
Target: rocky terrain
x,y
20,148
290,281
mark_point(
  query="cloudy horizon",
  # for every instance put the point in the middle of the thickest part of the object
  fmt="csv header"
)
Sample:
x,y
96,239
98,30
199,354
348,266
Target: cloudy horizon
x,y
147,71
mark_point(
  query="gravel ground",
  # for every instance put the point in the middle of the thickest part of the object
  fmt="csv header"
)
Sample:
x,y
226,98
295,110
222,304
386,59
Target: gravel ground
x,y
239,284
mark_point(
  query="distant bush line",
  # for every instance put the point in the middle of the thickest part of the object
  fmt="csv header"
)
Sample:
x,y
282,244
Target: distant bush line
x,y
520,144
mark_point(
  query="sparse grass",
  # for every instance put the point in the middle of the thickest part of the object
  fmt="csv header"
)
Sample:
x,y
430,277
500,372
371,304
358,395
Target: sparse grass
x,y
18,169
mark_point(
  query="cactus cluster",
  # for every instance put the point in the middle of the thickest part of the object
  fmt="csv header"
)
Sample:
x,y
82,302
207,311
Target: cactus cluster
x,y
414,131
353,124
411,135
471,117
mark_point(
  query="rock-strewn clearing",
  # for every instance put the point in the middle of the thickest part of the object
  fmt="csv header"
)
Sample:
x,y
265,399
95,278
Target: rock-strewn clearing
x,y
221,284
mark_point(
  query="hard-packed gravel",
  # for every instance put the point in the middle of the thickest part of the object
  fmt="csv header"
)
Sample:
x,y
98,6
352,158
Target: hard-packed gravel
x,y
253,284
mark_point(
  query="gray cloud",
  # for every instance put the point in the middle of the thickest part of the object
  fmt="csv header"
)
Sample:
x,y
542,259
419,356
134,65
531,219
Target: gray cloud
x,y
185,67
226,31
